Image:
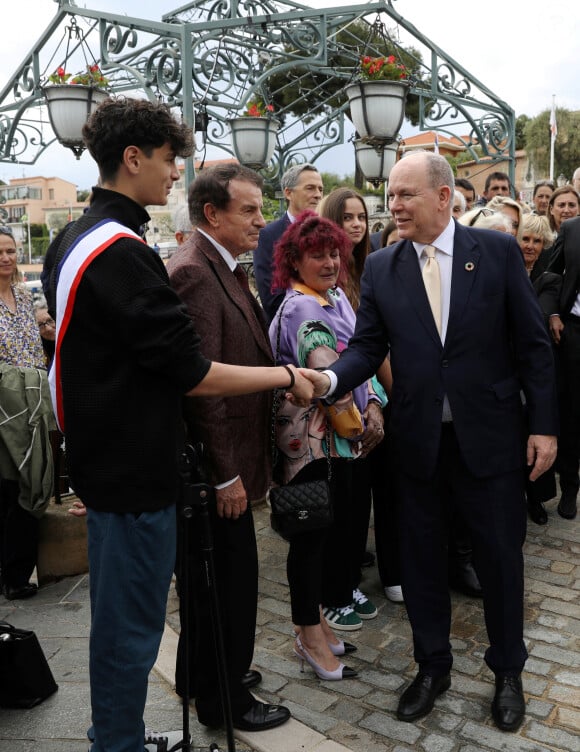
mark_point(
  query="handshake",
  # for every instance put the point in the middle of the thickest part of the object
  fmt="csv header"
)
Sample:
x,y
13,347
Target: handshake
x,y
308,385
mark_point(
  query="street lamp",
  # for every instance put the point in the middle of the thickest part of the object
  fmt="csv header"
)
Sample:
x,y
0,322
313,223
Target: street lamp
x,y
375,160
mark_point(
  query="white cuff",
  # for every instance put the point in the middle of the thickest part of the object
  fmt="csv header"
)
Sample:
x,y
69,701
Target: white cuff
x,y
219,486
333,383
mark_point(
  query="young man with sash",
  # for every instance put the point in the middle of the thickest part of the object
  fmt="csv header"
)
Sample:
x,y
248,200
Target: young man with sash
x,y
126,353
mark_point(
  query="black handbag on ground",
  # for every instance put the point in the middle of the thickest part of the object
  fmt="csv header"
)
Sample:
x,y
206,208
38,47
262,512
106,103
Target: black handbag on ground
x,y
298,507
25,676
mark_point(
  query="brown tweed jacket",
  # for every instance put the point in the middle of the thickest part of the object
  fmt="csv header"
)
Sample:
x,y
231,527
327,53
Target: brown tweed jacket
x,y
235,431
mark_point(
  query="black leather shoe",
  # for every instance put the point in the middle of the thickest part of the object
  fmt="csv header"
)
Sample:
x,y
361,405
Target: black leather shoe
x,y
508,707
251,679
567,506
418,699
262,716
21,592
537,512
464,579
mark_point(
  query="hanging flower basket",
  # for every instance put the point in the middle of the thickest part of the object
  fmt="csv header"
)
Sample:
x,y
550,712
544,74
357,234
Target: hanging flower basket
x,y
377,108
254,140
69,107
375,160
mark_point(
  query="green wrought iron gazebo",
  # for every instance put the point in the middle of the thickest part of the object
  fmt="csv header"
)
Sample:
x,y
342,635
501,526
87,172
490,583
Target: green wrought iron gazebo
x,y
210,59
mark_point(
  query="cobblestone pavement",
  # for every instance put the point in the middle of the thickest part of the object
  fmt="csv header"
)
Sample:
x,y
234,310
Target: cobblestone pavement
x,y
359,714
356,715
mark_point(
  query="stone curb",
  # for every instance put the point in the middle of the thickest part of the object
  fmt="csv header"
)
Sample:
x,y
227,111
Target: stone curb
x,y
293,736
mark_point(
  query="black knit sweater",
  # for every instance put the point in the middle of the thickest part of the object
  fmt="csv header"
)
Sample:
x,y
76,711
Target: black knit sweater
x,y
129,354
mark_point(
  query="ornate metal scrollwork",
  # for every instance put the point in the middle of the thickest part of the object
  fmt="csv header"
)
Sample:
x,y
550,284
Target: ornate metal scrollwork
x,y
218,54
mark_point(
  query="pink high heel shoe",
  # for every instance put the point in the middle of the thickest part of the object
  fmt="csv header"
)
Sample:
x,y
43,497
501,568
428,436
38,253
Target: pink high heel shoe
x,y
342,647
342,672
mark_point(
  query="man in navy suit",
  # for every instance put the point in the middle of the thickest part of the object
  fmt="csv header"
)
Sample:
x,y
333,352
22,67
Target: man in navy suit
x,y
302,186
457,418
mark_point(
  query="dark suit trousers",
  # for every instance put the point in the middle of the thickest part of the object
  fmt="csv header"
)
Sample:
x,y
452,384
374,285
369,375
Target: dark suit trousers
x,y
385,509
18,537
567,463
236,570
494,511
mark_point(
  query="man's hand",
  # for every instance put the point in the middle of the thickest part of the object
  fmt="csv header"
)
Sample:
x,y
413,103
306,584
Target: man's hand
x,y
556,328
319,380
302,392
374,432
78,509
231,501
541,453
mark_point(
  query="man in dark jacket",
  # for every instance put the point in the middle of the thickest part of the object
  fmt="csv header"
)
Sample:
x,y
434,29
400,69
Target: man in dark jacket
x,y
126,353
303,189
226,208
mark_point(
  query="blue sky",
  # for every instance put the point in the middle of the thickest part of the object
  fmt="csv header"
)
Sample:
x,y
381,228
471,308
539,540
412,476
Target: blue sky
x,y
523,51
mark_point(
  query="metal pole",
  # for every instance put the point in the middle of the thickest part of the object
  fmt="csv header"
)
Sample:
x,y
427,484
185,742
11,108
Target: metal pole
x,y
553,131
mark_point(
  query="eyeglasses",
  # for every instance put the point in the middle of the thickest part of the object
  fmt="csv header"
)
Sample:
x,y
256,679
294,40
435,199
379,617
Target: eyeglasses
x,y
484,212
6,231
48,322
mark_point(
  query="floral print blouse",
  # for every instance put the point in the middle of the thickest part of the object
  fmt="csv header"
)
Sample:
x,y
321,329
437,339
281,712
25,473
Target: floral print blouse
x,y
20,343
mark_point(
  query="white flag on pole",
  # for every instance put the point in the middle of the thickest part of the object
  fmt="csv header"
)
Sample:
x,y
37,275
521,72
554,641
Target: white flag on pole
x,y
436,144
553,123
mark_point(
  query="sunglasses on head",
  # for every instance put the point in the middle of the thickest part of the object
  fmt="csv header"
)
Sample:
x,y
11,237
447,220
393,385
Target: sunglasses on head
x,y
6,231
480,213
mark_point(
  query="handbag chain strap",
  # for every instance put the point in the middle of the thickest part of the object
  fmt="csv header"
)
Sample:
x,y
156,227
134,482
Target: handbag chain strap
x,y
276,400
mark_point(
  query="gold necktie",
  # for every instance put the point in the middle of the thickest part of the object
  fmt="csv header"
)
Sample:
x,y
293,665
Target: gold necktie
x,y
432,280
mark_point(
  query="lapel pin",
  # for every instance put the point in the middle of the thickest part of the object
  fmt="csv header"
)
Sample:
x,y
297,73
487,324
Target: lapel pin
x,y
470,266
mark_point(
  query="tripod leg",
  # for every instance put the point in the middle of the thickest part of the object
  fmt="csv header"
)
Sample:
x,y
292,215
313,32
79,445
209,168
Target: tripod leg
x,y
209,569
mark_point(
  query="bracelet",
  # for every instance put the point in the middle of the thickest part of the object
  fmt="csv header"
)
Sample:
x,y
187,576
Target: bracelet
x,y
292,377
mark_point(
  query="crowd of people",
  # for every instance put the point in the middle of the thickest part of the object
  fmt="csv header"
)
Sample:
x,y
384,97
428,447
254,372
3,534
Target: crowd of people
x,y
424,371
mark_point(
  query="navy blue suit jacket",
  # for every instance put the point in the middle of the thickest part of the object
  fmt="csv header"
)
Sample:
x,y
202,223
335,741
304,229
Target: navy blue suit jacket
x,y
496,345
263,257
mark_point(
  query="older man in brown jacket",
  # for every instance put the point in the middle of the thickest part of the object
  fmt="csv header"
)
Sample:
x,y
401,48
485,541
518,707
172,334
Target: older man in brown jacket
x,y
225,205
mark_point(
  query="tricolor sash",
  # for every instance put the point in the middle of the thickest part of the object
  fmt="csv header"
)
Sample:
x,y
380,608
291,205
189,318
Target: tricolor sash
x,y
69,273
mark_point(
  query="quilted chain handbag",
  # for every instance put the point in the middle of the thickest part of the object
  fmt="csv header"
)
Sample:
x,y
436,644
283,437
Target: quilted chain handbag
x,y
299,507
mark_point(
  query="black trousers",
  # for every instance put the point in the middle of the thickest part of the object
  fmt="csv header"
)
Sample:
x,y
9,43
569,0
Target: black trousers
x,y
384,490
494,512
568,353
322,565
236,568
18,538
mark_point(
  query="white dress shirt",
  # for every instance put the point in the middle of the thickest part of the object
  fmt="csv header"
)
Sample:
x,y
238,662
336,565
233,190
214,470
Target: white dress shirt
x,y
444,254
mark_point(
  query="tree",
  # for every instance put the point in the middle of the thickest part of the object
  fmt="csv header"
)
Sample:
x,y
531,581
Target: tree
x,y
521,122
566,147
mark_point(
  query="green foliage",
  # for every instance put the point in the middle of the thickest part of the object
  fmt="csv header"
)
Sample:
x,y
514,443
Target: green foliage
x,y
566,147
270,208
521,122
39,245
38,230
462,157
83,196
330,181
306,94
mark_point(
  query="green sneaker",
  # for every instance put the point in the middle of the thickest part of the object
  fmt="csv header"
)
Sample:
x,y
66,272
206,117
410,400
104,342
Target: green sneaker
x,y
344,619
362,606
